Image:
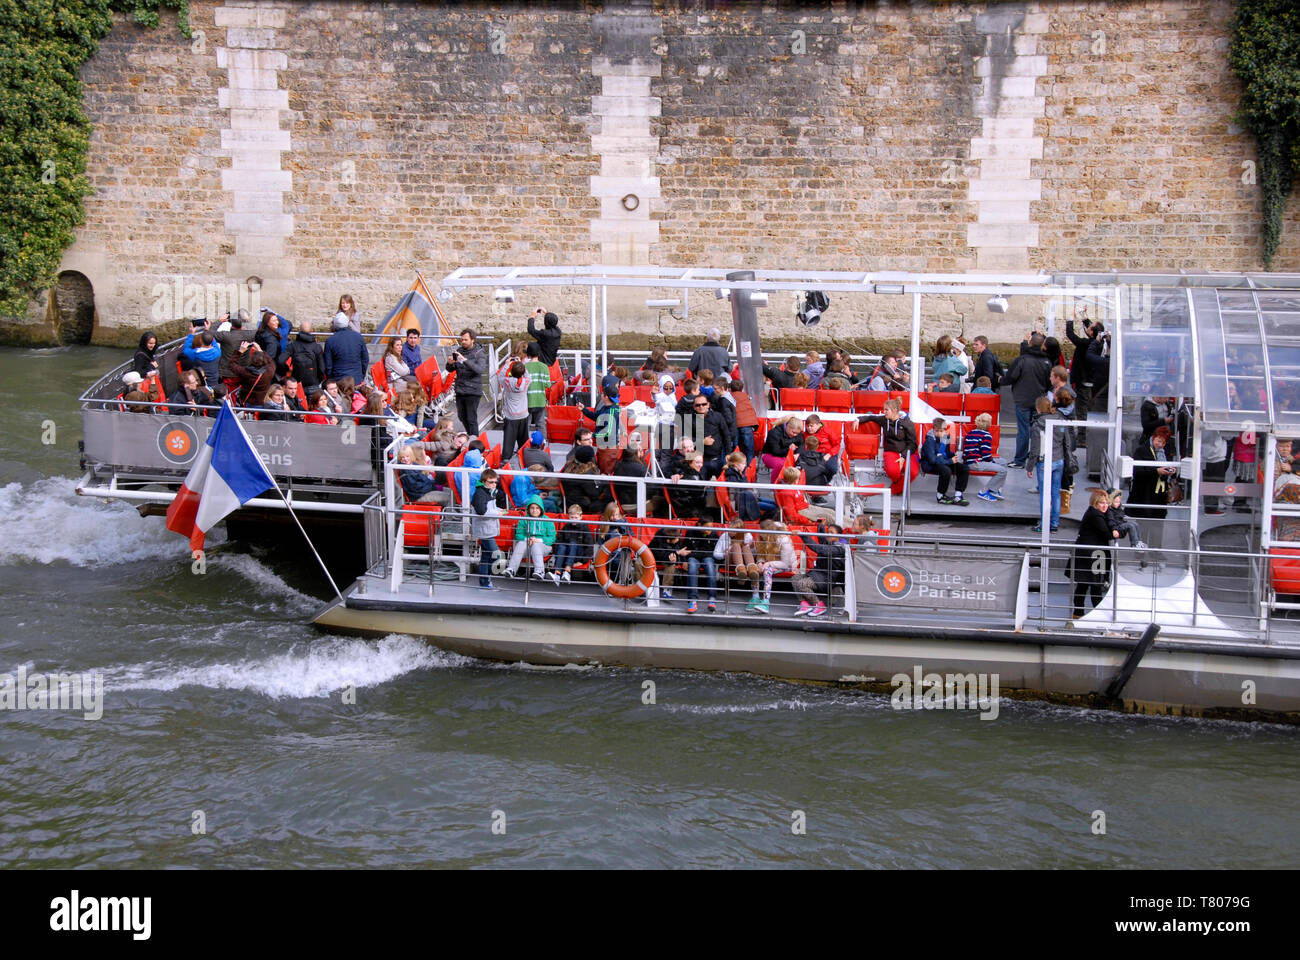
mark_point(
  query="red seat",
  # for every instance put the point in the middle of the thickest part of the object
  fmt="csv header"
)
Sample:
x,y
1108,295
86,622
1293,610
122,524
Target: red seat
x,y
798,398
949,403
862,443
421,523
869,401
506,537
977,403
379,375
456,479
834,401
626,394
723,496
1284,569
646,394
430,377
562,423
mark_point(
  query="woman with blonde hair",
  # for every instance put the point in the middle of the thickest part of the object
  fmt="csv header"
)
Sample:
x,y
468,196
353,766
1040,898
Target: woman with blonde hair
x,y
774,553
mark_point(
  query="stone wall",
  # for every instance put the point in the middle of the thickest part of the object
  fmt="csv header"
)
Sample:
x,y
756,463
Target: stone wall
x,y
298,150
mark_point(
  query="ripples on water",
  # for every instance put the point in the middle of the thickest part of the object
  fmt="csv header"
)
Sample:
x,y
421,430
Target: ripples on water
x,y
220,699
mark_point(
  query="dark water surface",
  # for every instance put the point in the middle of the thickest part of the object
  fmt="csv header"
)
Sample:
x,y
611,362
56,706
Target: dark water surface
x,y
221,699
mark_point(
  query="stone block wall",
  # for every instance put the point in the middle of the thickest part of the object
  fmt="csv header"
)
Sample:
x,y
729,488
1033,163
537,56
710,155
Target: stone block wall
x,y
300,149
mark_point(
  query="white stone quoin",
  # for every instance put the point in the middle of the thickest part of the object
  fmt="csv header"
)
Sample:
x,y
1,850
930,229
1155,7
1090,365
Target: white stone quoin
x,y
627,156
255,182
1003,233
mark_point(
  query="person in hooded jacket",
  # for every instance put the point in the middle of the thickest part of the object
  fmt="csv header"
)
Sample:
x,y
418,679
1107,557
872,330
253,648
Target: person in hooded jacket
x,y
548,338
308,358
487,504
534,535
144,362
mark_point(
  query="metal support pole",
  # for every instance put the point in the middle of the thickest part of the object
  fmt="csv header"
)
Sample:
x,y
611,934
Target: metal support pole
x,y
592,384
604,328
744,326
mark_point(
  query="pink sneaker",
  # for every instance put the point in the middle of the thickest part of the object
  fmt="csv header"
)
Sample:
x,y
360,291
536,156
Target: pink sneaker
x,y
804,607
818,610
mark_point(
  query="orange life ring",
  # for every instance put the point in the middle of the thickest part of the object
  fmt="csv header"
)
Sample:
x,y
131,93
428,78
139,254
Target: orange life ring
x,y
619,590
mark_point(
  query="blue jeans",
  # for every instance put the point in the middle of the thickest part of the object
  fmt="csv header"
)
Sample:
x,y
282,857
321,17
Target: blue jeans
x,y
693,577
1024,415
1054,491
746,442
487,548
566,555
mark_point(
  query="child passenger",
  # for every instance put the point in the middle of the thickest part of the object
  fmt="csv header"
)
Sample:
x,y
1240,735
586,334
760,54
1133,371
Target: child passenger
x,y
534,535
575,544
1121,522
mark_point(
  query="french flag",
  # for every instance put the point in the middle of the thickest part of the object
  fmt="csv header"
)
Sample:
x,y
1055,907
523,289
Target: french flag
x,y
227,474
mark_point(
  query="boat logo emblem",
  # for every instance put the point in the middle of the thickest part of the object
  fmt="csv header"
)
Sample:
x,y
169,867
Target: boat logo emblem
x,y
178,442
893,582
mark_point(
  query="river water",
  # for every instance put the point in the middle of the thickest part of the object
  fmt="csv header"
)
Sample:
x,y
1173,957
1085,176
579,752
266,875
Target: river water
x,y
221,700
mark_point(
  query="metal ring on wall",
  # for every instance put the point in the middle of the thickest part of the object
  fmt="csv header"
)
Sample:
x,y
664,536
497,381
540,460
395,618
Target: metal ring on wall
x,y
631,201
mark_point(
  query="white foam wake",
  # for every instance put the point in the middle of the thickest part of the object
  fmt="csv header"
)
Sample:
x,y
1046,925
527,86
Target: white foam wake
x,y
316,670
46,522
261,576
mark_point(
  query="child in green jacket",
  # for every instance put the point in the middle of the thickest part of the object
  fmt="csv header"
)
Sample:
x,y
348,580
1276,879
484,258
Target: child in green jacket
x,y
535,535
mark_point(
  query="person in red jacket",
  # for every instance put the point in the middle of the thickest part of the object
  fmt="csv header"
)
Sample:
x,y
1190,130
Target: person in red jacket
x,y
794,505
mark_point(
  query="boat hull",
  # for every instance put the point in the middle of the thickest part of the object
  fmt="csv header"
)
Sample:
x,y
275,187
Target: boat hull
x,y
1172,679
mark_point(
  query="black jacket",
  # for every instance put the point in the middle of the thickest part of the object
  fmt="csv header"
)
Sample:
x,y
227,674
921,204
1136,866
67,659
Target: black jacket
x,y
726,409
986,365
548,339
1029,377
1148,497
145,362
778,442
269,341
469,372
180,401
581,535
687,501
780,379
896,436
1094,532
1078,362
816,468
308,360
626,492
583,488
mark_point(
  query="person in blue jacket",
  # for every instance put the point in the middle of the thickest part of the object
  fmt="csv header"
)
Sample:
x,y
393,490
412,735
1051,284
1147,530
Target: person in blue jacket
x,y
345,352
937,458
205,354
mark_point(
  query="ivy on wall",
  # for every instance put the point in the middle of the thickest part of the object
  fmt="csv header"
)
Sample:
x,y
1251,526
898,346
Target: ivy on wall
x,y
44,133
1265,55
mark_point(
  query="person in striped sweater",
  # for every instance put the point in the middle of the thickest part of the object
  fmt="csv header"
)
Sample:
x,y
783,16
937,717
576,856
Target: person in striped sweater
x,y
979,455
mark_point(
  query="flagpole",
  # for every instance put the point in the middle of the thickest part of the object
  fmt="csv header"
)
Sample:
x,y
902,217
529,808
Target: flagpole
x,y
289,507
